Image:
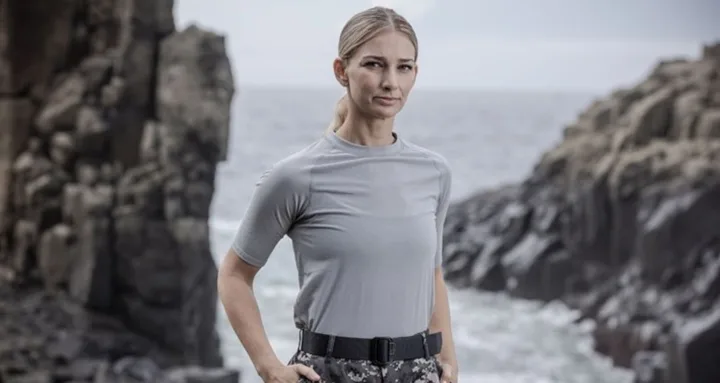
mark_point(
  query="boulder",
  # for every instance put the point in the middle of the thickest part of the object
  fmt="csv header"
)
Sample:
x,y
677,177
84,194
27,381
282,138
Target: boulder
x,y
49,337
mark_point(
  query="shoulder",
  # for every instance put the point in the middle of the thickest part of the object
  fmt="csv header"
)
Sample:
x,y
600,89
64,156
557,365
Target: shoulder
x,y
440,164
293,171
438,160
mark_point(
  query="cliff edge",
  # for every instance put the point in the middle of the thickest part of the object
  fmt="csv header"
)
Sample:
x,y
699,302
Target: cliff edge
x,y
620,220
112,124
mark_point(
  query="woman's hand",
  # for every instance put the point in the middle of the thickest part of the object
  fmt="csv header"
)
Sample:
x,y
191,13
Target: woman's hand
x,y
289,374
449,373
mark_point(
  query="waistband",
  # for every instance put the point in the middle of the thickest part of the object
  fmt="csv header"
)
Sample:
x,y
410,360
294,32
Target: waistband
x,y
379,350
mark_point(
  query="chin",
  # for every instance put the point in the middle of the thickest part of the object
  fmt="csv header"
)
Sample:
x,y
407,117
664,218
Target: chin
x,y
385,113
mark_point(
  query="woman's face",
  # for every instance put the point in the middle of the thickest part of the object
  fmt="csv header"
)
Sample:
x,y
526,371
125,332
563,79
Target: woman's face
x,y
381,74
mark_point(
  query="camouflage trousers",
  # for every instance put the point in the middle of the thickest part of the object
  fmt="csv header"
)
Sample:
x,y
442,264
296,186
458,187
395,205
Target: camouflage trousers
x,y
335,370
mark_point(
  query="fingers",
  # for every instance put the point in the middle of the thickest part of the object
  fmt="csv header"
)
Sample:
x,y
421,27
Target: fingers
x,y
447,376
307,372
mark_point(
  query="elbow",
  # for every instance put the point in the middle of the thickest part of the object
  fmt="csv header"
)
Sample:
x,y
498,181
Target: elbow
x,y
233,273
222,280
439,277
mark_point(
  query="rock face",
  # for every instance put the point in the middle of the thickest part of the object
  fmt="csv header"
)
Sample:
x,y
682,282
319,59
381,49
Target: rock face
x,y
46,338
620,220
112,124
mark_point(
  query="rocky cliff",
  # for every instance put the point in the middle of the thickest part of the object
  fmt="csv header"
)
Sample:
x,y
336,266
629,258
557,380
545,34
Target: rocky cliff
x,y
112,124
620,220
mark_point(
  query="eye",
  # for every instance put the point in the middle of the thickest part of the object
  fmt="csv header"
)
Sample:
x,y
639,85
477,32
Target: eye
x,y
373,64
406,67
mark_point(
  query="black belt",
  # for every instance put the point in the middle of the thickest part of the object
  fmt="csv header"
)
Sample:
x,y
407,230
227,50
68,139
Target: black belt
x,y
379,350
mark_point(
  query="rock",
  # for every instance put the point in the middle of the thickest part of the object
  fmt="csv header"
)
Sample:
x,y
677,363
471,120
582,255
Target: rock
x,y
96,71
111,93
91,132
650,117
61,108
708,125
650,367
33,377
112,124
57,340
91,280
694,338
24,238
618,220
140,370
195,88
38,39
688,107
150,144
15,115
198,375
711,51
55,255
62,148
134,59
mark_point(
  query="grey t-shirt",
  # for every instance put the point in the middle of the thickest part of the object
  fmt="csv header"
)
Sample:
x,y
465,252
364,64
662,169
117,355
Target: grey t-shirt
x,y
366,228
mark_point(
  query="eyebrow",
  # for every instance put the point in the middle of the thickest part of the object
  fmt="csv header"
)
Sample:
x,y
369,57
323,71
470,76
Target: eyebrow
x,y
380,58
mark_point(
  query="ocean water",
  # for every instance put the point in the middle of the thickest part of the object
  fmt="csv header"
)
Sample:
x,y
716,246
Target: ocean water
x,y
489,138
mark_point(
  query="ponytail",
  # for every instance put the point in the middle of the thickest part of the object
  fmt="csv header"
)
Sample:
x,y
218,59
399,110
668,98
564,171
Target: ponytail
x,y
341,111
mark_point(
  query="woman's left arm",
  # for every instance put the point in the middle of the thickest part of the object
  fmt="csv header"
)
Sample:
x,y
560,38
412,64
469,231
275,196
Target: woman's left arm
x,y
440,322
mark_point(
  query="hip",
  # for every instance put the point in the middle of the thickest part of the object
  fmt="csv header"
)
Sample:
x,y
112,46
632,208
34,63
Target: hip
x,y
340,370
341,359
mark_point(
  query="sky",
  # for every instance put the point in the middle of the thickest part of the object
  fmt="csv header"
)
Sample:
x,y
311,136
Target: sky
x,y
575,45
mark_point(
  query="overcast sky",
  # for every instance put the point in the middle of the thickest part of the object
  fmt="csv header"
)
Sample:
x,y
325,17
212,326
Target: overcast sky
x,y
499,44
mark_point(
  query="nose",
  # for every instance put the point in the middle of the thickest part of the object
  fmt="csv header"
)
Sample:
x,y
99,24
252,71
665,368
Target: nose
x,y
389,81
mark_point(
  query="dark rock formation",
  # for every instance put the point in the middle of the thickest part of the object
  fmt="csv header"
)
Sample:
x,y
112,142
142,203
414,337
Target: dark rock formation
x,y
46,338
112,124
620,220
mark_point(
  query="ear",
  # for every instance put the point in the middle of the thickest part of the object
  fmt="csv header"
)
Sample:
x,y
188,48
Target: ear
x,y
339,69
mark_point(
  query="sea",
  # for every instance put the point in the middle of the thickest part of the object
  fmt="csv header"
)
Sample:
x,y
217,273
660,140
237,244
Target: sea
x,y
489,138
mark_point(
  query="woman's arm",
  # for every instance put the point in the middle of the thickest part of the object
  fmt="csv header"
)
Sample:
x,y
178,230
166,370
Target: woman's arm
x,y
277,203
235,289
440,322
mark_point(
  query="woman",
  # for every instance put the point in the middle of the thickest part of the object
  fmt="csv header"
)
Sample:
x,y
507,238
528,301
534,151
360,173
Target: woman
x,y
365,211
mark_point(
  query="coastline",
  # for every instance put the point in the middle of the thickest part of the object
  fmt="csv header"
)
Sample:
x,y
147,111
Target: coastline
x,y
617,221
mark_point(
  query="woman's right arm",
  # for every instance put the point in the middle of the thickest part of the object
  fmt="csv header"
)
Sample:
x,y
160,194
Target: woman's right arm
x,y
278,201
235,289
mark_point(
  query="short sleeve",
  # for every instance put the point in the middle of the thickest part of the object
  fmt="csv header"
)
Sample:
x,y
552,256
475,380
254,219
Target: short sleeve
x,y
276,204
442,208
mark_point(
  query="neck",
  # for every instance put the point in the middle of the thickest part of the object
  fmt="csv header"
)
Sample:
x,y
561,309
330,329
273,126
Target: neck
x,y
366,131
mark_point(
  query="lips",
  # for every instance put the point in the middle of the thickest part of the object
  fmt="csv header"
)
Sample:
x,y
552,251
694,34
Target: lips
x,y
386,101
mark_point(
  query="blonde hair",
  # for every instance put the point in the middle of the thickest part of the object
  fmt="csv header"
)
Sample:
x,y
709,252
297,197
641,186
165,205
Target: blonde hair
x,y
361,28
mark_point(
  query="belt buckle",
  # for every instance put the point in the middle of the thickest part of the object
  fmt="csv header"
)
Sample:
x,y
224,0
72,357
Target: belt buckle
x,y
383,350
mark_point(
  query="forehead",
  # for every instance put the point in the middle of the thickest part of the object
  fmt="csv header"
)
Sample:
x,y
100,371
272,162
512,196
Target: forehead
x,y
389,44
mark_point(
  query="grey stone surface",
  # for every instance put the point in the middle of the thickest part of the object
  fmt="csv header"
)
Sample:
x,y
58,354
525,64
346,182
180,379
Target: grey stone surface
x,y
112,124
619,220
